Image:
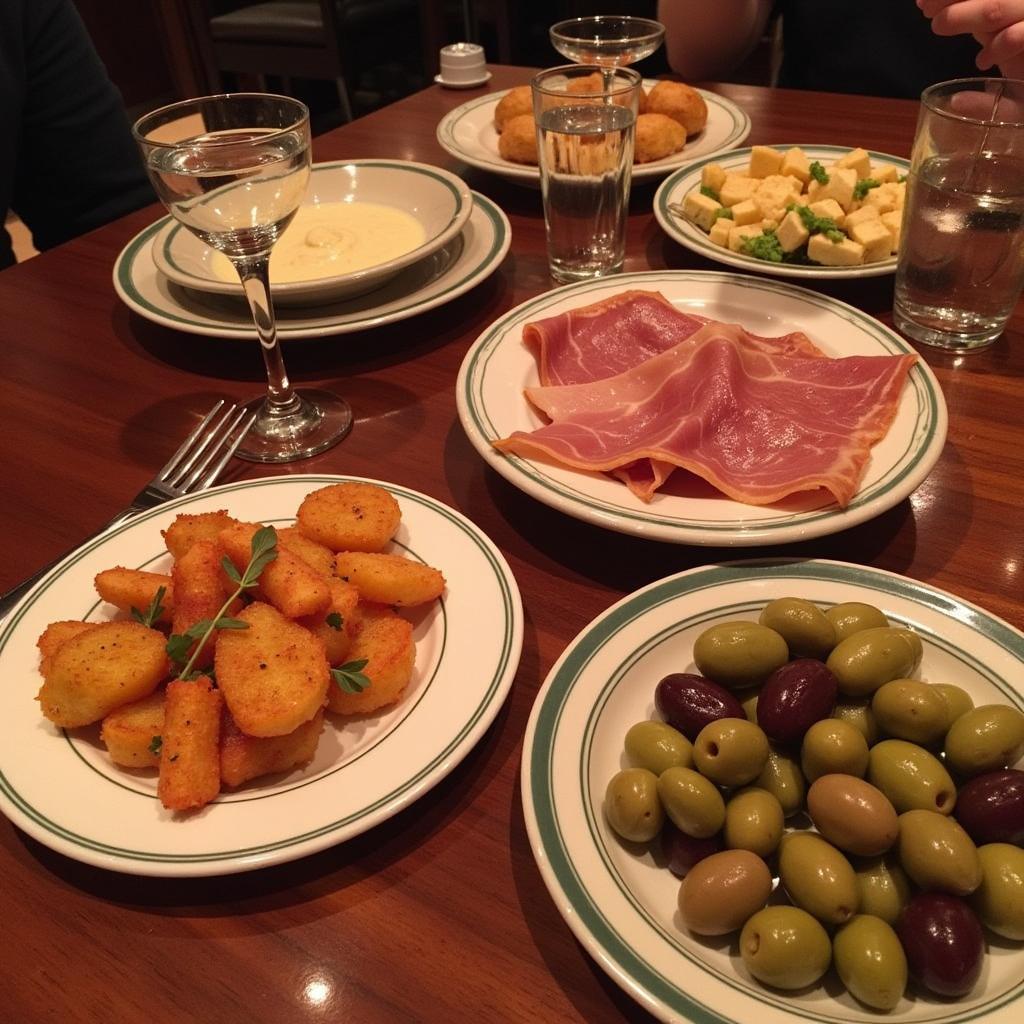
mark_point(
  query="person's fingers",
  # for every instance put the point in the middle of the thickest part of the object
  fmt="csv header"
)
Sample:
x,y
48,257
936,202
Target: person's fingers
x,y
1005,45
929,8
987,106
966,17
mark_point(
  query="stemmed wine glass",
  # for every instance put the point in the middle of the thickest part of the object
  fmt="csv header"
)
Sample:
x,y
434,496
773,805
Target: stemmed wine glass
x,y
233,169
611,40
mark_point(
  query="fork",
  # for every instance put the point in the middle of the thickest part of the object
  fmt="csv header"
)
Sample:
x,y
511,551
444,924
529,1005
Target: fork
x,y
194,467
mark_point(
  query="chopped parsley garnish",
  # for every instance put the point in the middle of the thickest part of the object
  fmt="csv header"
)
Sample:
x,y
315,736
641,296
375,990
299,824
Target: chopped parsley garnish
x,y
335,621
860,190
818,225
723,211
155,744
764,246
818,172
707,190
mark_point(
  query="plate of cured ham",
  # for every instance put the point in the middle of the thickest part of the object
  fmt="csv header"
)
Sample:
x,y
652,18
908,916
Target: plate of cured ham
x,y
699,407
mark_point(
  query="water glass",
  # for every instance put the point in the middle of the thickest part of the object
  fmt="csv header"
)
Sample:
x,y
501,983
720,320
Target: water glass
x,y
961,263
586,123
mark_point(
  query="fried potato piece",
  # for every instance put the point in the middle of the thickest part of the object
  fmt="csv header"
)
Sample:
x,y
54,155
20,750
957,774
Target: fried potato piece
x,y
642,104
680,102
274,675
245,757
657,136
338,624
190,747
201,587
129,731
101,669
350,517
187,529
515,102
287,582
55,634
126,589
518,142
385,641
315,555
389,579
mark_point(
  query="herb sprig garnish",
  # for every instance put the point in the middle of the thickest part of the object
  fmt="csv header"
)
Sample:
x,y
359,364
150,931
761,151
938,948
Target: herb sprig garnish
x,y
153,612
861,189
818,172
264,551
350,676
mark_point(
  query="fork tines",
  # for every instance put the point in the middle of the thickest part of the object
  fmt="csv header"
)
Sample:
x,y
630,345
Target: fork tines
x,y
213,436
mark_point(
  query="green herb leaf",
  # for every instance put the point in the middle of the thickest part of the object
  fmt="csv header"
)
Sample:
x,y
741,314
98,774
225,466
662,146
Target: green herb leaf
x,y
230,571
818,172
177,647
155,744
335,621
264,551
902,178
861,189
815,225
764,246
350,676
707,190
154,610
723,211
834,235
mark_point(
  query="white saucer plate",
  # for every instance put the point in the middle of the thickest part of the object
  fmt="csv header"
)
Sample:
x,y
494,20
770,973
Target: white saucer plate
x,y
483,80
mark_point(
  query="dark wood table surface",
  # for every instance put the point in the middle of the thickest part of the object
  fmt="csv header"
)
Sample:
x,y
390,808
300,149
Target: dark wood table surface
x,y
439,913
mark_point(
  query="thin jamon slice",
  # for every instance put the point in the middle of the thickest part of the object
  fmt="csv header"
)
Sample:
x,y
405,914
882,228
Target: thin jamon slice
x,y
756,425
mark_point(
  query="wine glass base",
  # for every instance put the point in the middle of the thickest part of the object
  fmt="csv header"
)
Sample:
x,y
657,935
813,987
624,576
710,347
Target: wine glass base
x,y
320,420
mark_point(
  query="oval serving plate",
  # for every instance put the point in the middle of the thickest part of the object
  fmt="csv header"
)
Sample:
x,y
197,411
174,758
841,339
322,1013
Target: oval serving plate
x,y
621,905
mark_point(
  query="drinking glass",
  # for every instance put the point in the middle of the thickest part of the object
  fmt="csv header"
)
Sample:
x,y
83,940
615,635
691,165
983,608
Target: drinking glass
x,y
609,39
233,169
961,262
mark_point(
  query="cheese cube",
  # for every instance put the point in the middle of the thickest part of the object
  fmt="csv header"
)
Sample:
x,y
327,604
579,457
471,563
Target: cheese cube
x,y
746,212
712,176
861,215
701,209
791,233
796,164
846,253
829,208
764,161
884,173
719,233
859,160
736,188
885,197
775,193
876,239
740,232
840,184
893,220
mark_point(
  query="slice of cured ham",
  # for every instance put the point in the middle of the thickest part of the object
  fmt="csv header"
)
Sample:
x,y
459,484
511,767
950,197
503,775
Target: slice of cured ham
x,y
756,424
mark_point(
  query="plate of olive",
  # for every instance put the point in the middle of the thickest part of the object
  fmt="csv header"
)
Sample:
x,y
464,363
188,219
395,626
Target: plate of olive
x,y
766,789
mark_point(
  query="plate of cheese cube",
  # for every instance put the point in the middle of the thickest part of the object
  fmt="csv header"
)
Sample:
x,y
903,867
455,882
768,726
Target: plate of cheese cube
x,y
793,210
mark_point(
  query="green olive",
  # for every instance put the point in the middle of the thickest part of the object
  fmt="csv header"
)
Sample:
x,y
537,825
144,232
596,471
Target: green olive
x,y
912,637
999,900
911,710
817,877
748,701
852,814
720,892
985,738
739,654
691,801
753,821
632,806
854,617
833,746
657,746
937,853
781,776
870,961
804,627
958,701
785,947
864,661
910,777
861,717
883,888
730,751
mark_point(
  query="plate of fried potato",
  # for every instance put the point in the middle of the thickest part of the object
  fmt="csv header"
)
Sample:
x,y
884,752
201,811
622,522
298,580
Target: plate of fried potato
x,y
196,693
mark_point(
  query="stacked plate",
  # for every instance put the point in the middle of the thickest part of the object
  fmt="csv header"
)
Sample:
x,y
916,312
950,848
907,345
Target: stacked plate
x,y
169,276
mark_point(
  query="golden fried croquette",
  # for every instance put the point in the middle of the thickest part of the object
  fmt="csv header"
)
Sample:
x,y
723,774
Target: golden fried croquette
x,y
315,555
129,731
338,623
187,529
680,102
642,105
349,516
587,85
390,579
518,142
514,103
201,586
248,757
385,641
126,589
190,744
54,636
657,136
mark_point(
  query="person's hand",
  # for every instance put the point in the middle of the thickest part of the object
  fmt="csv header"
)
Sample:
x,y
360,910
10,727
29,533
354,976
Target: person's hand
x,y
998,26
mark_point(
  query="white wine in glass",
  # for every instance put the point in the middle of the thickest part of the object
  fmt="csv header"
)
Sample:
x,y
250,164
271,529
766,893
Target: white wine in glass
x,y
234,169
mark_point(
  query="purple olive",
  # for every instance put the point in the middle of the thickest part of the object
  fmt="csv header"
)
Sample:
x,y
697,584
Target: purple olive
x,y
794,697
689,702
990,807
683,851
943,941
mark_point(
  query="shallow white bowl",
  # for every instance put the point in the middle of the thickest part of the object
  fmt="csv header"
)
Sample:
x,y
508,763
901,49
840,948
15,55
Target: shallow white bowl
x,y
439,200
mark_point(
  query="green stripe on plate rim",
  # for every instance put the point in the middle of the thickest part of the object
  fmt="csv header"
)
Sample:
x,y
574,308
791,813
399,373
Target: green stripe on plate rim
x,y
144,237
921,437
699,239
427,172
332,826
614,945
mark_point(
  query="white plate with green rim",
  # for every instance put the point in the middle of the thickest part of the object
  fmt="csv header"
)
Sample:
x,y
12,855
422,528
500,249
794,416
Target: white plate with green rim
x,y
619,903
469,135
62,789
676,188
498,367
473,255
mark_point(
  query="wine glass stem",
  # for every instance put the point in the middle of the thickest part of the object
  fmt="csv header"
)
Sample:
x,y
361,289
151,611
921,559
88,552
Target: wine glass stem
x,y
255,275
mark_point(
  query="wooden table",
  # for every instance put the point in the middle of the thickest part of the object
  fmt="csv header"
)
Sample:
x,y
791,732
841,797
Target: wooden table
x,y
440,913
